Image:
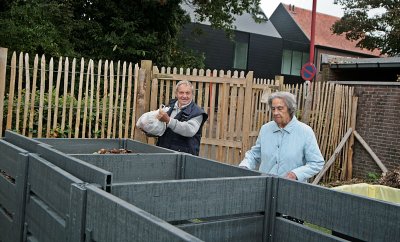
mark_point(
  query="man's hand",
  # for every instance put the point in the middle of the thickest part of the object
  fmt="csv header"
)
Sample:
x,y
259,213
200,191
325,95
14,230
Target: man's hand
x,y
291,175
163,116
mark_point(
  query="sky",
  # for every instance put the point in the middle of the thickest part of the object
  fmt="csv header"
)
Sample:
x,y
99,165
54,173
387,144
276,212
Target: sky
x,y
323,6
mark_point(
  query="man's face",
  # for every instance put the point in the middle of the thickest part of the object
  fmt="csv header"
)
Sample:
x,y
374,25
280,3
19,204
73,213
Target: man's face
x,y
184,95
280,112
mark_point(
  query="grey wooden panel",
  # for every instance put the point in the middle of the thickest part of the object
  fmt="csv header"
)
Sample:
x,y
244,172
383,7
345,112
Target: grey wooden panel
x,y
228,230
197,167
6,228
21,141
109,219
135,167
50,183
139,147
14,162
10,158
365,219
201,198
8,196
77,213
288,231
83,146
43,224
82,170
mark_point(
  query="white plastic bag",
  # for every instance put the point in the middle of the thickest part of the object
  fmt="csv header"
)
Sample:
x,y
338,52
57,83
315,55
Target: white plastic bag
x,y
149,123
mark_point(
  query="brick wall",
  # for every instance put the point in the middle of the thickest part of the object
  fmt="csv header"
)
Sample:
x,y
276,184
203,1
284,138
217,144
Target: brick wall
x,y
378,122
378,119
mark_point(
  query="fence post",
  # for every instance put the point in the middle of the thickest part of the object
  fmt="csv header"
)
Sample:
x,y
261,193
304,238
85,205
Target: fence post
x,y
280,80
143,95
3,69
147,65
247,113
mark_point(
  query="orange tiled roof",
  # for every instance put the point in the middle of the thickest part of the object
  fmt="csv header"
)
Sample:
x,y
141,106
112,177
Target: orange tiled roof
x,y
323,33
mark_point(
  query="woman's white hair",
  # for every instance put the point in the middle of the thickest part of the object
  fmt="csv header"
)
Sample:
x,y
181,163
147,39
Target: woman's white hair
x,y
288,98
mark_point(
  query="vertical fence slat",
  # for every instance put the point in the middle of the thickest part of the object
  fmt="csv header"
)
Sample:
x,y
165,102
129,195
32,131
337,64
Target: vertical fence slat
x,y
33,96
72,107
27,94
128,101
96,124
115,109
135,101
3,69
41,97
105,99
206,107
240,117
19,97
121,105
65,96
86,100
111,100
79,105
11,90
351,141
91,98
50,97
56,96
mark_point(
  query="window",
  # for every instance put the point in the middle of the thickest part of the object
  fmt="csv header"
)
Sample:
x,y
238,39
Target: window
x,y
286,61
240,61
292,61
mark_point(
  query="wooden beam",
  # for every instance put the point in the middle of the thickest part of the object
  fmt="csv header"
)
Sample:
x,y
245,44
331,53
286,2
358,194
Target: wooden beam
x,y
333,157
373,155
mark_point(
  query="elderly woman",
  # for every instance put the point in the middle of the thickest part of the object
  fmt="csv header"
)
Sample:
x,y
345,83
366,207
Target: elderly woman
x,y
285,146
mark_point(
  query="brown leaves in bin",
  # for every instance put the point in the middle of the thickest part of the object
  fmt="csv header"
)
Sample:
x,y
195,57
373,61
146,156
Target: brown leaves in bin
x,y
392,178
113,151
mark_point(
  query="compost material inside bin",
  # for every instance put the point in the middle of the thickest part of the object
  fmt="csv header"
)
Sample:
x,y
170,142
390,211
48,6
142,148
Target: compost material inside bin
x,y
113,151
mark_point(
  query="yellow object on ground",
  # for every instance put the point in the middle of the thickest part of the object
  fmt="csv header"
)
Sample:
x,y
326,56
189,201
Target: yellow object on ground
x,y
380,192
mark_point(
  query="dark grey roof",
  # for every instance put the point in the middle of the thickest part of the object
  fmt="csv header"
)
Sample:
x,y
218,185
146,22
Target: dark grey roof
x,y
347,62
244,23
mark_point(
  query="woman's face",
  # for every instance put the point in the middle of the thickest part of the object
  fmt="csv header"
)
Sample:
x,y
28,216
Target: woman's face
x,y
280,112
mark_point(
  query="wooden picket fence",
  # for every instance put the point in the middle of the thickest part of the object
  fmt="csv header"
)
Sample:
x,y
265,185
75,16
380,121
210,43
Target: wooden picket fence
x,y
84,99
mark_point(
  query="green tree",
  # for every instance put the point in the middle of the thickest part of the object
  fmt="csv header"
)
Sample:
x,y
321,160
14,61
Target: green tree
x,y
36,27
375,24
113,29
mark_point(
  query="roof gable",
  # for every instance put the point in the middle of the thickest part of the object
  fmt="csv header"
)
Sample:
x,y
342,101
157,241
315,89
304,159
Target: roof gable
x,y
323,33
243,23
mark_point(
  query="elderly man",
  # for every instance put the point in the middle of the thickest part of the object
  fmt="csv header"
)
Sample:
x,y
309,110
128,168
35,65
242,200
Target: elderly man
x,y
184,121
285,146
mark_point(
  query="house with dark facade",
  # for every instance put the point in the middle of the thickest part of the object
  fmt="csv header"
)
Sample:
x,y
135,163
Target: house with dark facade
x,y
276,46
294,26
255,46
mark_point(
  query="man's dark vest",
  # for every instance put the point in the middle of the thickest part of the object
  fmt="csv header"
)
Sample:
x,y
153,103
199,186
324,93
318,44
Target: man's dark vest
x,y
174,141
